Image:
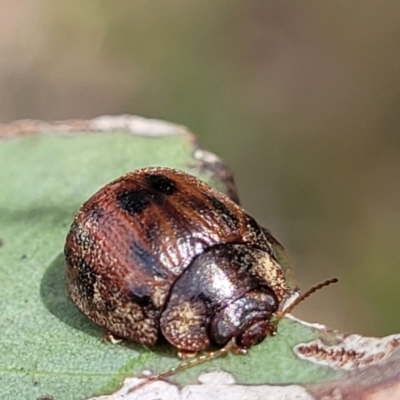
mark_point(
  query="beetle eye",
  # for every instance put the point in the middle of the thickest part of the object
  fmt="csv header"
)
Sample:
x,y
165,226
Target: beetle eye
x,y
256,333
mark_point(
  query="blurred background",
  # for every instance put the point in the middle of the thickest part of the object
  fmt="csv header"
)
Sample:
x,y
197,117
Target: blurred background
x,y
301,99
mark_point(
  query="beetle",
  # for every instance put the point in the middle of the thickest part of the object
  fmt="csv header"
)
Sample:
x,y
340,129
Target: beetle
x,y
157,252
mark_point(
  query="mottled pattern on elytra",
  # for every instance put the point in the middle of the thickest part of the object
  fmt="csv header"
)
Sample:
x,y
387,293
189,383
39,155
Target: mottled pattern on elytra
x,y
133,238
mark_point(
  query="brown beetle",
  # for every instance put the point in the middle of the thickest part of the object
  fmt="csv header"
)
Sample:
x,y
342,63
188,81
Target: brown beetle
x,y
158,252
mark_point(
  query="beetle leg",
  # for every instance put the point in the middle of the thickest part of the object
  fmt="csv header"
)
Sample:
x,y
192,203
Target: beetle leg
x,y
230,347
111,338
183,354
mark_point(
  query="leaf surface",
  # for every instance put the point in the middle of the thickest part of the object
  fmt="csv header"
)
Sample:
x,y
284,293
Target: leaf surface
x,y
49,348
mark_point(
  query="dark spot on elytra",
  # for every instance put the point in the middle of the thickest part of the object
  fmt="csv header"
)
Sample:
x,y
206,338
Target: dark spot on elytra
x,y
109,306
133,201
222,210
162,184
1,242
257,231
86,278
68,253
139,296
147,261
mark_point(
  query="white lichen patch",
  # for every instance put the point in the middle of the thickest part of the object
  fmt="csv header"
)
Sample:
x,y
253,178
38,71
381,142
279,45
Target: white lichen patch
x,y
216,385
137,125
206,156
349,352
287,302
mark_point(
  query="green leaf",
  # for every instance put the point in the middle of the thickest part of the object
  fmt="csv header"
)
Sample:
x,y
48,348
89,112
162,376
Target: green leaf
x,y
47,347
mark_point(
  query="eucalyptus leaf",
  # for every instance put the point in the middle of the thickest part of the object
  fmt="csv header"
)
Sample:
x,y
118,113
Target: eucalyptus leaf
x,y
48,348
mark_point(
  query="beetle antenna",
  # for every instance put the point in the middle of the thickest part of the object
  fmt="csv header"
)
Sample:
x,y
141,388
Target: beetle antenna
x,y
302,297
187,364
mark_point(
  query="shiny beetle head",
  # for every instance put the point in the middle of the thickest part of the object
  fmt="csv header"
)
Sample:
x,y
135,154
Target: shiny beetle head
x,y
220,297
